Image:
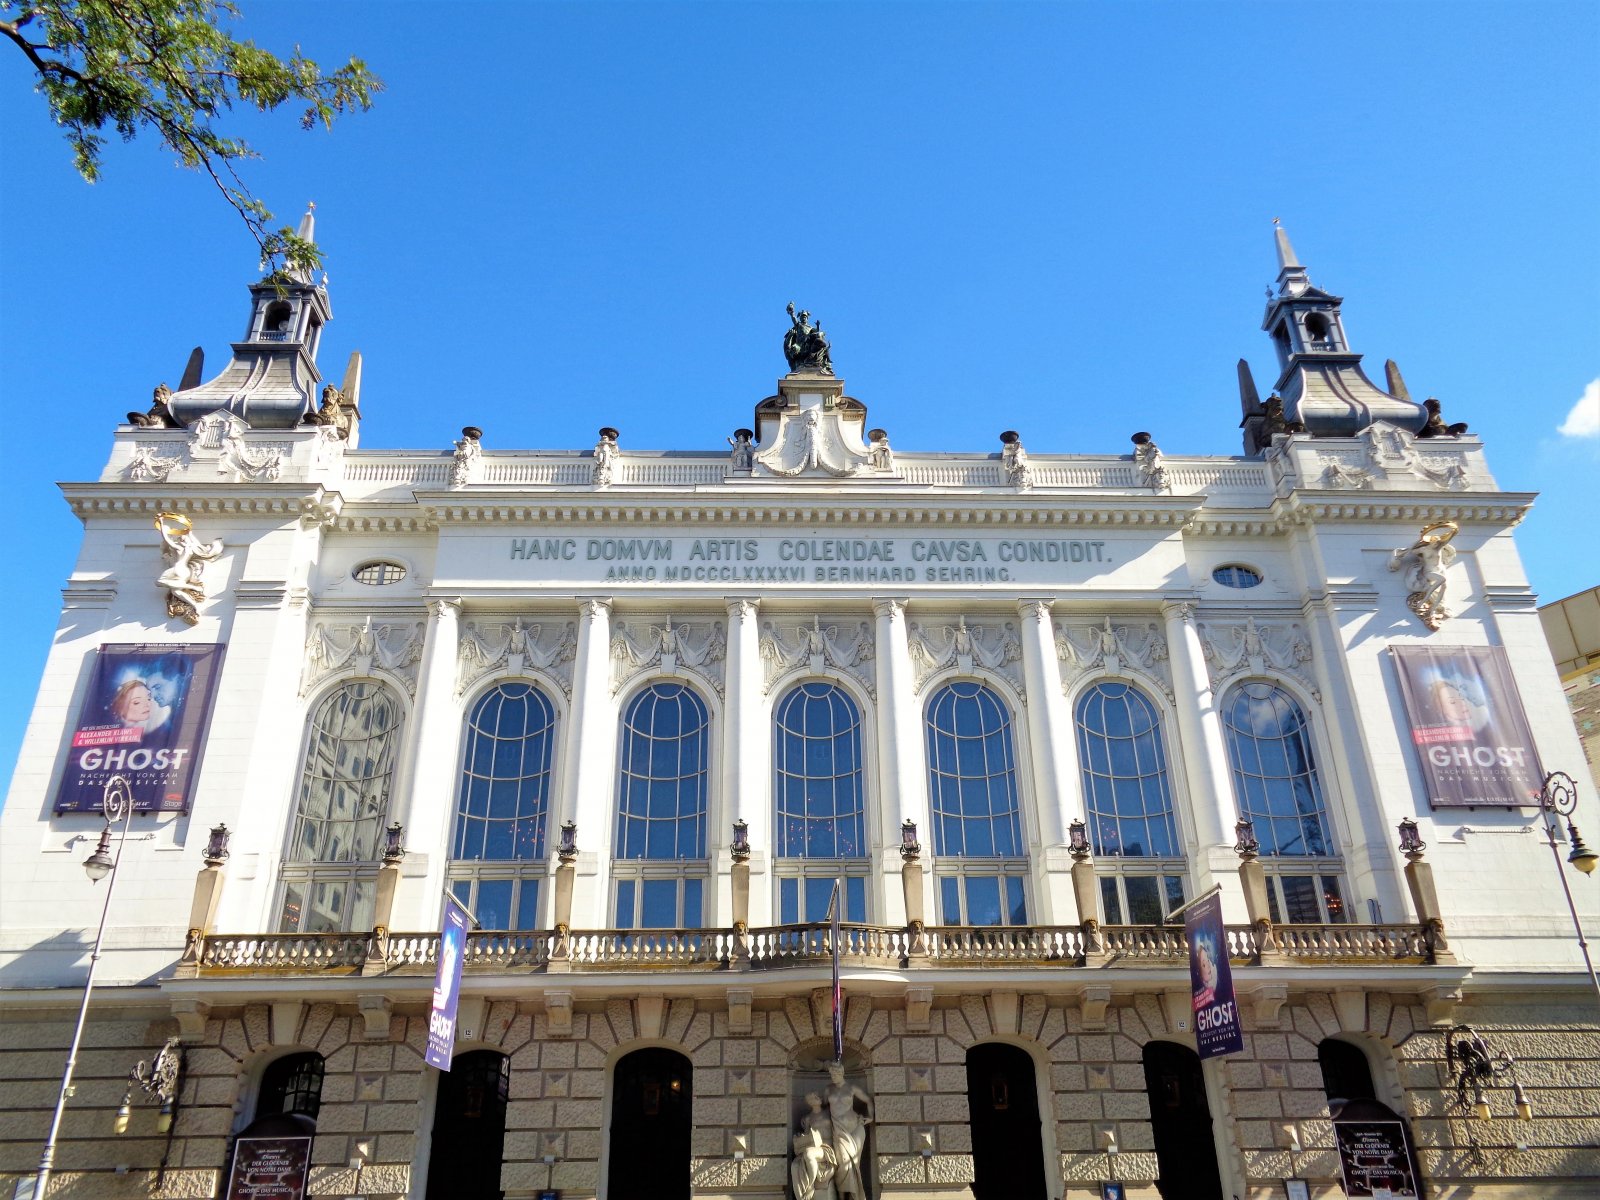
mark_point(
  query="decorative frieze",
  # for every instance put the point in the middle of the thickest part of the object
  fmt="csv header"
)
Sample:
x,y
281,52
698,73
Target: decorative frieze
x,y
1130,648
390,647
698,648
147,464
1233,649
818,648
515,647
257,464
965,646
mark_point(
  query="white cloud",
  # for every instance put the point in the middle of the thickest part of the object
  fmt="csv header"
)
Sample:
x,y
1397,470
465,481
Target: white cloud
x,y
1584,419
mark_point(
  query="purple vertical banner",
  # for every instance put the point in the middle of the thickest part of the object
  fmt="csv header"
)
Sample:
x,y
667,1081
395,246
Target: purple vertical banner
x,y
1216,1014
447,986
144,716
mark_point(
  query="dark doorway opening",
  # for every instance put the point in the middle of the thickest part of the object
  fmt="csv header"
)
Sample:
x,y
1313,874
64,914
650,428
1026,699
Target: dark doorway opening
x,y
1186,1155
1007,1141
469,1128
651,1108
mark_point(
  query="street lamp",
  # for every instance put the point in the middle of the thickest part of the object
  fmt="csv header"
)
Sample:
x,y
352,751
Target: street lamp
x,y
117,804
1558,797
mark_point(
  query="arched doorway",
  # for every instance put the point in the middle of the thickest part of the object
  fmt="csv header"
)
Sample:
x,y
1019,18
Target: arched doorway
x,y
651,1108
1186,1154
1007,1142
469,1128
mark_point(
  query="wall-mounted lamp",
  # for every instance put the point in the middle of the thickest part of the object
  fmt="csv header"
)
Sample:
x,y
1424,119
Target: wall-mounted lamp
x,y
216,852
741,841
910,848
158,1079
1411,843
1246,845
567,848
1078,841
394,846
1476,1069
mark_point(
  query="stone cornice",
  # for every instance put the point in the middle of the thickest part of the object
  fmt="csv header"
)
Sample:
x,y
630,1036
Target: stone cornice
x,y
1306,506
299,501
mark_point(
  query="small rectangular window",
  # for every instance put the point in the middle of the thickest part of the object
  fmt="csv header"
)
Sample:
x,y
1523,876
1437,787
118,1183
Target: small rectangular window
x,y
983,900
1110,901
950,900
624,916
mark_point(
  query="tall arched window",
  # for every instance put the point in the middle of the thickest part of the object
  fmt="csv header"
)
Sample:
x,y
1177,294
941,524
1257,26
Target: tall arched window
x,y
497,852
330,869
1129,802
1275,781
662,773
981,855
821,806
469,1128
292,1084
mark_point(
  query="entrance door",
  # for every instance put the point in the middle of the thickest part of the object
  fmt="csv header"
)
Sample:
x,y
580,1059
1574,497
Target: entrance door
x,y
469,1128
1007,1145
651,1107
1186,1155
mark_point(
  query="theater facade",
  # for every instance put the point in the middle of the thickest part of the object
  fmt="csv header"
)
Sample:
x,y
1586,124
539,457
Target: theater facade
x,y
682,729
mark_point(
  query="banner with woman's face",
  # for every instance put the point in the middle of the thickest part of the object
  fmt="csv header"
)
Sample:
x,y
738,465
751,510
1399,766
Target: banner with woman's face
x,y
145,716
1468,726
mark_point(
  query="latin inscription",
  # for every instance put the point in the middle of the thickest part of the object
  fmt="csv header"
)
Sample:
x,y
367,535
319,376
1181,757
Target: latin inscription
x,y
808,560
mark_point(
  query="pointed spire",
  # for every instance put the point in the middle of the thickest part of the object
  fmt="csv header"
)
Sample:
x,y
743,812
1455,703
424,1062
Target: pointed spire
x,y
1397,385
308,223
1286,259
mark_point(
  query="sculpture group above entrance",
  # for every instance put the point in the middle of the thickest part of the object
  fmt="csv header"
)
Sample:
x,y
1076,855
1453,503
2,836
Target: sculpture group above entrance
x,y
805,345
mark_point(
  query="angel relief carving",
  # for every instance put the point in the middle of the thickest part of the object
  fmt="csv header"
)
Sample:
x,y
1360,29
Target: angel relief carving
x,y
935,648
514,647
695,647
817,647
1232,649
1138,647
394,647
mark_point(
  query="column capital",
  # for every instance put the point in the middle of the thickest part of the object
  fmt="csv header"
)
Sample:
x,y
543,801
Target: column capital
x,y
1038,608
440,608
594,608
1179,610
889,606
743,608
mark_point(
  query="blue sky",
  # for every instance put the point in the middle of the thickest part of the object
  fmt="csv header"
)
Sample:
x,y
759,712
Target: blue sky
x,y
1053,218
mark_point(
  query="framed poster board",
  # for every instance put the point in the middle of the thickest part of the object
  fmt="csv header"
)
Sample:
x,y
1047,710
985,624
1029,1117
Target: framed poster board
x,y
269,1168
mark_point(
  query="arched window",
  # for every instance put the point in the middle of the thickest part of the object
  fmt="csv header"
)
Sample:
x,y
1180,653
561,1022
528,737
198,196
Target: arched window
x,y
1129,803
292,1084
981,855
662,775
469,1128
1275,781
821,817
497,852
1346,1072
330,869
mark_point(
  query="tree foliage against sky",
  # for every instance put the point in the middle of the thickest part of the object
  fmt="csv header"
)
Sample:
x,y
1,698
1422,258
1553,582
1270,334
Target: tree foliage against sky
x,y
169,66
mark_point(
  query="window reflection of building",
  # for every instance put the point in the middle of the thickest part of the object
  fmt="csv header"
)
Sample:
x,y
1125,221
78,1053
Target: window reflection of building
x,y
981,857
330,868
659,859
498,848
820,800
1276,782
1129,801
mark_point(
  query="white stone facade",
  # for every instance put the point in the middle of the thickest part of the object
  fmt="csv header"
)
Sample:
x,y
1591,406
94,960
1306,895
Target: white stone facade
x,y
888,576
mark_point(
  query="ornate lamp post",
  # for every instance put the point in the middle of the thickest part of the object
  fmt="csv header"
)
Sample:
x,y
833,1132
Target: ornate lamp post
x,y
1558,798
117,804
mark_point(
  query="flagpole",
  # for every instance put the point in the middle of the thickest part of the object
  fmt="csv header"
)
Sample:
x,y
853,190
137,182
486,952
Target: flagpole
x,y
838,1016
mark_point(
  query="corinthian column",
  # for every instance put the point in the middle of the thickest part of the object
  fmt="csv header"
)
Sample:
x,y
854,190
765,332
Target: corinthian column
x,y
1204,757
902,770
588,768
424,802
746,755
1053,757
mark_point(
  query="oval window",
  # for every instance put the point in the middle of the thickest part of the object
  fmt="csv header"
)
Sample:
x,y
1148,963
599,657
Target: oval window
x,y
1236,575
378,572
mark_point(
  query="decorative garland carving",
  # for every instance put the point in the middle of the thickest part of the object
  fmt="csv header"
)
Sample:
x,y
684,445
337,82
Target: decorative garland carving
x,y
993,646
147,464
1137,648
513,648
818,647
694,647
1234,649
262,464
393,648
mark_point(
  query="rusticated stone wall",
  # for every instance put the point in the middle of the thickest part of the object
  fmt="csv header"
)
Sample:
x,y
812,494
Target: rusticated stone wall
x,y
912,1058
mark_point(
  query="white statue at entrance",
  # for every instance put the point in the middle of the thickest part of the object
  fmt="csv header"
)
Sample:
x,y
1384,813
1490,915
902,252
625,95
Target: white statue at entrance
x,y
849,1132
815,1164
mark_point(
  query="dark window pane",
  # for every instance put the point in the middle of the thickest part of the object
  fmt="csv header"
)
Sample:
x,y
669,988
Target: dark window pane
x,y
625,914
1300,900
855,888
1016,905
494,903
528,905
983,900
1111,901
692,903
1333,897
660,907
1144,900
818,893
950,900
788,901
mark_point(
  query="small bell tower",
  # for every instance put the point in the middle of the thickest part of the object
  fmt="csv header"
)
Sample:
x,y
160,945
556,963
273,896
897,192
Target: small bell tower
x,y
271,379
1320,380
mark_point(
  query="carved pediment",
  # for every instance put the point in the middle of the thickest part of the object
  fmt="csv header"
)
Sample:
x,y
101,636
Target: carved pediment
x,y
389,646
